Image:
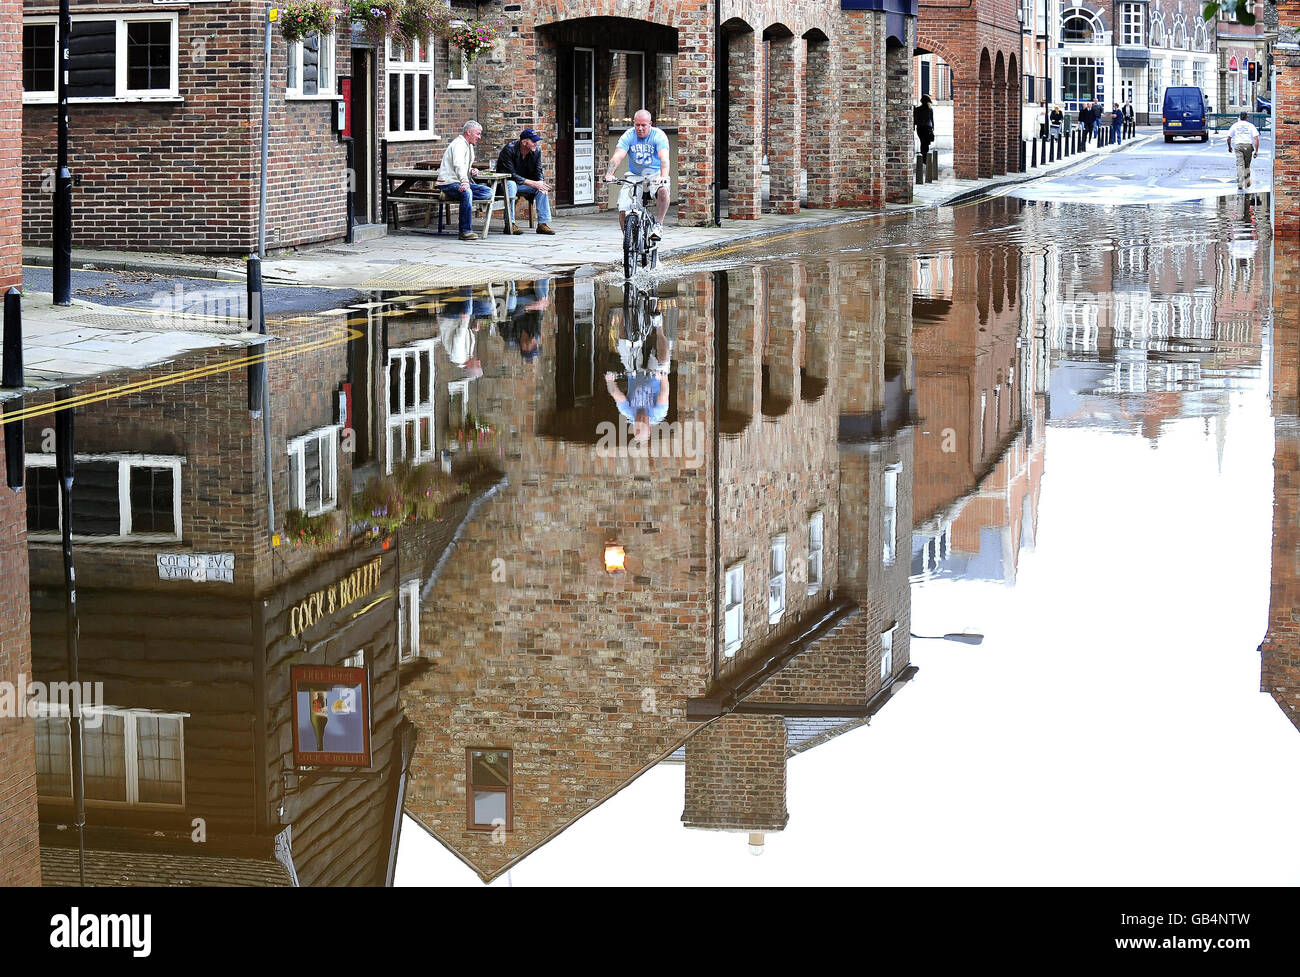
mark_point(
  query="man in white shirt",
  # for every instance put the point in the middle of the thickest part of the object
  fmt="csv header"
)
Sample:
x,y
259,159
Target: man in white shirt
x,y
1243,141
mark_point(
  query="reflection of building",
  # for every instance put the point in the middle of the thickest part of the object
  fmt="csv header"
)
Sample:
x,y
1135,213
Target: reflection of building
x,y
982,407
1280,650
552,682
191,619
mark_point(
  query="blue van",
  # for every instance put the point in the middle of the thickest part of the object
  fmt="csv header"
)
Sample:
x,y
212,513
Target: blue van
x,y
1185,113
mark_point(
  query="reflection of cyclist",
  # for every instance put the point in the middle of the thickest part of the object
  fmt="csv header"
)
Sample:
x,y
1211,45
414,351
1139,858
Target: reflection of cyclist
x,y
645,352
646,149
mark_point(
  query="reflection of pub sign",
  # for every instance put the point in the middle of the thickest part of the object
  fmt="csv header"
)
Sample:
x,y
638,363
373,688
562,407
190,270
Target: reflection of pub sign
x,y
331,716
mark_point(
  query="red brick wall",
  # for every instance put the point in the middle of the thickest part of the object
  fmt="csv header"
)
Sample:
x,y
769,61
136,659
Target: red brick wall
x,y
1286,166
20,862
735,775
11,147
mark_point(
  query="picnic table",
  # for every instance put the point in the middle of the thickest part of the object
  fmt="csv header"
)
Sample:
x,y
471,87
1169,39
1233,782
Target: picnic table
x,y
419,186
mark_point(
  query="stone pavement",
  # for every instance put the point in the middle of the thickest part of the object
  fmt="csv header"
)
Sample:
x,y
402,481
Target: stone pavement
x,y
88,339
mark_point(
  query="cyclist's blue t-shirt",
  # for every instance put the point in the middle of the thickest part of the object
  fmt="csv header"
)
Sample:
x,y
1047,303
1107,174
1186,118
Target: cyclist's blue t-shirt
x,y
643,154
642,394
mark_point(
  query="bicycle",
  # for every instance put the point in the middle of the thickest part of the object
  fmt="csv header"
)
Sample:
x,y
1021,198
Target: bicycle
x,y
638,225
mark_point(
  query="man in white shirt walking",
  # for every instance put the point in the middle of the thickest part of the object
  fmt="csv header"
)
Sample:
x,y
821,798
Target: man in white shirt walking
x,y
1243,141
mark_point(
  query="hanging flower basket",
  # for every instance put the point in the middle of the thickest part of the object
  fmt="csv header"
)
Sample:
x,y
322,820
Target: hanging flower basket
x,y
376,17
474,37
303,19
420,20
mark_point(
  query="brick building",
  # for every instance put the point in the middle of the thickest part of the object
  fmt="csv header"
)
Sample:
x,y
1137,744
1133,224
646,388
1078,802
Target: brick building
x,y
981,46
192,620
551,683
1286,165
166,151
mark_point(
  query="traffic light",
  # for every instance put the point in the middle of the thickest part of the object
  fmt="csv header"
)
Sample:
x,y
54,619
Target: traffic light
x,y
1252,71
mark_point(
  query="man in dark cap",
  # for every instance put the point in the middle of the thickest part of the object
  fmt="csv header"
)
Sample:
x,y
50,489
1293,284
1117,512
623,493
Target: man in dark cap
x,y
522,159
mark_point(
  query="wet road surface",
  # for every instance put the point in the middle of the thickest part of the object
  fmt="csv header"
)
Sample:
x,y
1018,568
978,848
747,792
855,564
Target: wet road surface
x,y
620,585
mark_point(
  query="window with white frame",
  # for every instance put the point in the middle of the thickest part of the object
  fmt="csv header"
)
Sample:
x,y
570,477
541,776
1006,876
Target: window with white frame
x,y
311,67
734,613
1200,40
130,756
815,523
410,90
1134,32
117,497
626,87
886,653
314,471
1176,66
409,407
127,57
890,492
1079,26
1155,86
1180,35
408,621
355,660
776,580
1198,74
457,66
1157,29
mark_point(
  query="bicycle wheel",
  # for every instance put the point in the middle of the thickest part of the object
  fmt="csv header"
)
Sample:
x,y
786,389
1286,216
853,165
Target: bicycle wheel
x,y
647,243
631,243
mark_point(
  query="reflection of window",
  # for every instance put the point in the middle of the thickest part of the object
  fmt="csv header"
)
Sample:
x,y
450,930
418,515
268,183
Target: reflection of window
x,y
776,580
815,553
489,793
313,471
734,623
886,653
410,90
131,756
626,87
115,497
408,621
665,90
409,408
311,67
890,485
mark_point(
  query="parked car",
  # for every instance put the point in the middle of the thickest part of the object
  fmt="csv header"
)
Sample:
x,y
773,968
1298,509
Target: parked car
x,y
1185,113
1263,105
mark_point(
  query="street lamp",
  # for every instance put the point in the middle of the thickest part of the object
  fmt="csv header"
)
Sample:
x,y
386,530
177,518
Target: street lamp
x,y
965,637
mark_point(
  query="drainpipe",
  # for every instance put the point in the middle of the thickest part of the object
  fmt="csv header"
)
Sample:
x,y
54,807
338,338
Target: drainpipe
x,y
719,95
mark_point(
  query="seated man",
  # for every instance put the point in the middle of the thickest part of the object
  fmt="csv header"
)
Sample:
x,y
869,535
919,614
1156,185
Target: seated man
x,y
522,159
646,149
523,327
455,178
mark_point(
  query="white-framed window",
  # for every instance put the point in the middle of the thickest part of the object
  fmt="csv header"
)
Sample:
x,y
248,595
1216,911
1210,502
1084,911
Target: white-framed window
x,y
734,613
1200,41
355,660
314,471
626,87
889,486
1080,26
1157,29
1176,67
311,68
1180,35
408,621
1198,74
815,526
887,653
457,64
114,498
1156,86
409,404
111,58
1233,86
1134,32
776,580
131,757
410,90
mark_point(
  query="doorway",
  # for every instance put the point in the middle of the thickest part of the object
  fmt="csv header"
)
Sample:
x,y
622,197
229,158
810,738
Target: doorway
x,y
575,140
364,144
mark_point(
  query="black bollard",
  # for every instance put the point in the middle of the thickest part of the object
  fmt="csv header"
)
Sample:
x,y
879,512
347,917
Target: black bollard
x,y
11,377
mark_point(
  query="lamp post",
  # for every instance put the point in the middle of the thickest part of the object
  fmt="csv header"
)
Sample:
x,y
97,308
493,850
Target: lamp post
x,y
62,230
963,637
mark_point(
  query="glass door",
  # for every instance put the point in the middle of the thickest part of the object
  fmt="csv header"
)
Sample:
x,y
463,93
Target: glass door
x,y
584,126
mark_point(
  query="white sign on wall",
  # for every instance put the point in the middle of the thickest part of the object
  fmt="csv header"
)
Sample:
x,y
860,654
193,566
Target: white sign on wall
x,y
198,567
584,171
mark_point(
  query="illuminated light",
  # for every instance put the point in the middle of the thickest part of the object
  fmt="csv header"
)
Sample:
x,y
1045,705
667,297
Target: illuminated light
x,y
614,557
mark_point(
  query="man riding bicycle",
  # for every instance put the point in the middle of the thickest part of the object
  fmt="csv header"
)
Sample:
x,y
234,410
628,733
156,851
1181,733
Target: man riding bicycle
x,y
646,149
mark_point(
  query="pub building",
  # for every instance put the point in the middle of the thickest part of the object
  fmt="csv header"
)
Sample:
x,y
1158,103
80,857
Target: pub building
x,y
600,611
249,730
166,113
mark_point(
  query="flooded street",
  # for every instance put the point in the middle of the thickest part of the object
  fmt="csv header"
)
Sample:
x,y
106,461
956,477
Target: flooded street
x,y
929,550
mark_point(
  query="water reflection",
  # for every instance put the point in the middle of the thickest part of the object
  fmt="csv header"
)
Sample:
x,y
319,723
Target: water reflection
x,y
777,454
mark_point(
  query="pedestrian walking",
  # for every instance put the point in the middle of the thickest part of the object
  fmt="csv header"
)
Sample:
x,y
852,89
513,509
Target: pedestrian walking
x,y
1055,120
1097,113
923,121
1243,142
1130,123
1117,125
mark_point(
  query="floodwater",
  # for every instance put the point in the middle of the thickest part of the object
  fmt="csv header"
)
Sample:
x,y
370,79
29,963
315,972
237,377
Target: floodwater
x,y
611,585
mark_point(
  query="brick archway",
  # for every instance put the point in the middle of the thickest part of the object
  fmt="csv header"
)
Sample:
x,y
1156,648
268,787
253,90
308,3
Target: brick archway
x,y
785,82
999,107
1014,118
969,116
984,117
744,151
823,148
